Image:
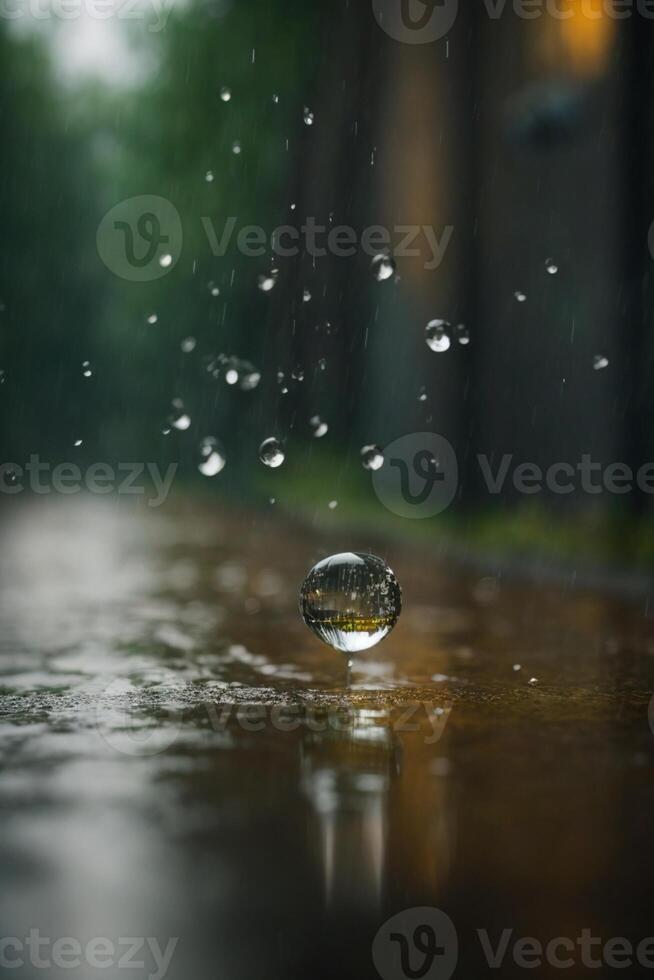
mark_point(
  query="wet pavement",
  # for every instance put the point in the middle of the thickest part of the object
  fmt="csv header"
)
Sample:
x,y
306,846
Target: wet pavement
x,y
181,758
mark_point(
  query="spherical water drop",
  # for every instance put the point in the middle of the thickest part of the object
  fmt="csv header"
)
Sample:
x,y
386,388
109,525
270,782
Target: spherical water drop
x,y
463,335
383,267
236,147
166,260
308,116
212,457
209,176
213,289
271,453
438,335
188,345
250,378
372,457
551,267
267,281
333,504
179,418
306,296
77,443
152,319
520,296
600,362
87,370
318,427
351,601
225,93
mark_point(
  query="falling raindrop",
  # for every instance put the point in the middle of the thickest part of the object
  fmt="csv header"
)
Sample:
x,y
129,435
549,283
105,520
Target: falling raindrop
x,y
520,296
306,296
165,260
308,116
212,457
517,667
209,176
463,335
551,267
268,281
271,453
600,362
318,427
372,457
437,334
533,681
275,99
152,318
213,289
77,443
179,418
383,267
250,377
2,377
236,147
87,370
225,93
351,601
333,504
422,395
188,345
322,363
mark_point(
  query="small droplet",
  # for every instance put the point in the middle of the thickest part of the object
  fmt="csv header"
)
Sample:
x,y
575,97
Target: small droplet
x,y
306,296
2,377
533,681
551,267
87,370
213,289
308,116
372,457
422,395
152,319
250,378
209,176
333,504
517,667
271,453
318,427
383,267
463,335
212,457
236,147
520,296
438,335
77,443
225,93
165,260
351,601
275,98
179,418
322,363
188,345
600,362
268,281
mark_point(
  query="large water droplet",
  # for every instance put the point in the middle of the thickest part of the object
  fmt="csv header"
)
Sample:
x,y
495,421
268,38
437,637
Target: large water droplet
x,y
152,319
351,601
212,457
600,361
438,335
372,457
318,427
188,345
236,147
166,260
551,267
179,418
267,281
225,93
271,453
383,267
